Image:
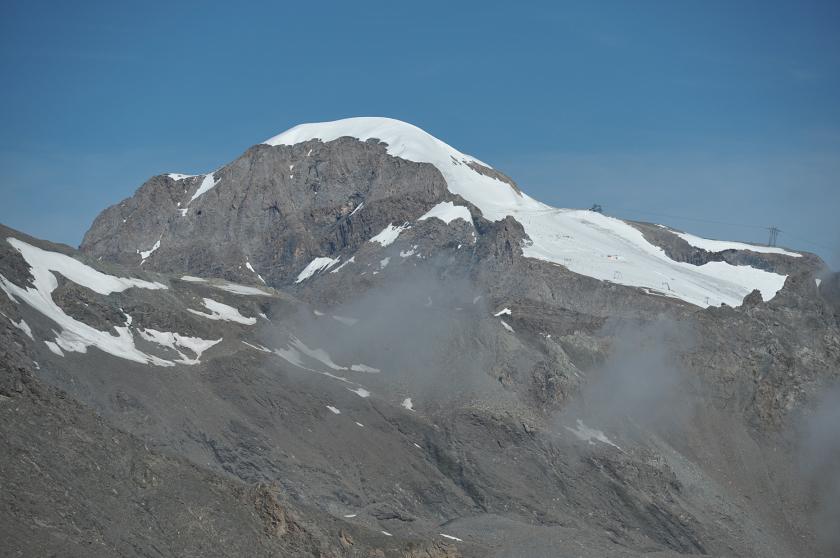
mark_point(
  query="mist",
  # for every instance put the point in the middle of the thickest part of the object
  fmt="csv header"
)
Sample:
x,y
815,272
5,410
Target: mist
x,y
421,336
641,382
819,465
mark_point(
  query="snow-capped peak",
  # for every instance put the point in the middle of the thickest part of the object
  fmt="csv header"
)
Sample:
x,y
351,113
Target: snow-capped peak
x,y
585,242
409,142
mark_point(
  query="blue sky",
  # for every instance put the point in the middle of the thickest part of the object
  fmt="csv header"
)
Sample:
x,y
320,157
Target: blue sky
x,y
720,118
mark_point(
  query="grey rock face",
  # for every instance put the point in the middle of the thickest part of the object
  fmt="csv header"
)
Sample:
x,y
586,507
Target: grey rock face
x,y
275,207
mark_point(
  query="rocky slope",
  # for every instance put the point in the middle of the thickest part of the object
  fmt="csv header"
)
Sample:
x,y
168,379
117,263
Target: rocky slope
x,y
366,347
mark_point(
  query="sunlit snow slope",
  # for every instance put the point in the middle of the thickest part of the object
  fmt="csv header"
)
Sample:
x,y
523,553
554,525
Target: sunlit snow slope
x,y
585,242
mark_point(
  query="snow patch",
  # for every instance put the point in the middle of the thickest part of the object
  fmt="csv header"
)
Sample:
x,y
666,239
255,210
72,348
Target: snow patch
x,y
506,326
76,336
54,348
43,262
228,287
450,537
316,354
587,434
176,176
351,260
23,326
389,234
146,253
258,347
333,410
361,392
251,269
207,184
407,403
365,368
448,212
503,312
222,312
176,342
315,266
383,263
721,245
240,289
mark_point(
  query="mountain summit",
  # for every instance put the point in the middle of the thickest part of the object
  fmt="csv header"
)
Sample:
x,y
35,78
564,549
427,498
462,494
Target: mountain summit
x,y
355,340
321,190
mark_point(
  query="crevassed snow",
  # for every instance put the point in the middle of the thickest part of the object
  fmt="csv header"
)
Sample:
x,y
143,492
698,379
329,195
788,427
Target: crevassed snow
x,y
720,245
587,434
448,212
585,242
315,266
207,184
222,312
389,234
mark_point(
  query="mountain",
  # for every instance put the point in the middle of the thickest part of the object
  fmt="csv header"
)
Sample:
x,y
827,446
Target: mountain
x,y
355,340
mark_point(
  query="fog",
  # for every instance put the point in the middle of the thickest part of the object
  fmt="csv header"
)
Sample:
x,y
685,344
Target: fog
x,y
424,334
819,465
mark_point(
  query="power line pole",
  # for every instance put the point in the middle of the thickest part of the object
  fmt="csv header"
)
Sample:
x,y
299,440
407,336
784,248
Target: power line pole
x,y
774,234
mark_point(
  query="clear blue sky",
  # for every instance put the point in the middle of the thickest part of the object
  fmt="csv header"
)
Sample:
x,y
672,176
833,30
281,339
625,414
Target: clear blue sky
x,y
716,117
